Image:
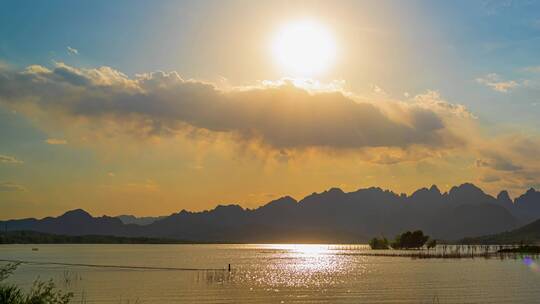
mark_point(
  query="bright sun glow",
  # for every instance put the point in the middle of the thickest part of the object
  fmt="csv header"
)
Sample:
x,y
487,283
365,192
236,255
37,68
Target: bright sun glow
x,y
304,49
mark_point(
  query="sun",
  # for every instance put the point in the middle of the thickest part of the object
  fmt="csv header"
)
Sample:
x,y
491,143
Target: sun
x,y
304,49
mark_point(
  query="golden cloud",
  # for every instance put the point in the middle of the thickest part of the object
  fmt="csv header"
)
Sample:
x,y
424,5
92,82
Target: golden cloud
x,y
279,116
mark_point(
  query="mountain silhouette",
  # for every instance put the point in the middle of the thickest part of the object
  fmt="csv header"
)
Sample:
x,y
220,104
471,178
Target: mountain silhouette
x,y
329,216
528,234
142,221
74,222
527,206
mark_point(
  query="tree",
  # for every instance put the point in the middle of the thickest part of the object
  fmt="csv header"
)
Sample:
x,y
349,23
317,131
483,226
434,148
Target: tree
x,y
376,243
410,240
431,244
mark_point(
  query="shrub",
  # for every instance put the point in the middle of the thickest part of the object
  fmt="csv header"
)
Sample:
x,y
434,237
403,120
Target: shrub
x,y
40,293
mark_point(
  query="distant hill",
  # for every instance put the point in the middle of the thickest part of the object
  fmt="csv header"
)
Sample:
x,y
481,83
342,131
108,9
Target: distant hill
x,y
74,222
329,216
33,237
142,221
528,234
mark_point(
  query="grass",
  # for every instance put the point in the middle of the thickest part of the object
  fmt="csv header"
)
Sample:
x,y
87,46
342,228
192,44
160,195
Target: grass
x,y
457,252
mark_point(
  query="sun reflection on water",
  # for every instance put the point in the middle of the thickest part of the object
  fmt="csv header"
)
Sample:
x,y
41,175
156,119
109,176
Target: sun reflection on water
x,y
300,265
303,249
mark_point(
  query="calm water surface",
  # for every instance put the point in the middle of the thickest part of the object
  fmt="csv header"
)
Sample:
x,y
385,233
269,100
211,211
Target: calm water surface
x,y
273,274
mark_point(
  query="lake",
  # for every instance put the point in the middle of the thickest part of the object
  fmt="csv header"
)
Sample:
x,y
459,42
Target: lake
x,y
272,274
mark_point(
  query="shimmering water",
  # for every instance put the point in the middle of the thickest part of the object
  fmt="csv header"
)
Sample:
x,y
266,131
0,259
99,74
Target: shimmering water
x,y
273,274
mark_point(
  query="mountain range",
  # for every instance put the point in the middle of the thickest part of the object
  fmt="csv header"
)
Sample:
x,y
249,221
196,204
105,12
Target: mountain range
x,y
329,216
143,221
528,234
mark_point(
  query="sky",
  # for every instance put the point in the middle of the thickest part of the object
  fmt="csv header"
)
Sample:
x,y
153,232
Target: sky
x,y
151,107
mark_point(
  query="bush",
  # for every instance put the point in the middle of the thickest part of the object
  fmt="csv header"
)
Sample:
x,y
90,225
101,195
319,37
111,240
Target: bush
x,y
40,293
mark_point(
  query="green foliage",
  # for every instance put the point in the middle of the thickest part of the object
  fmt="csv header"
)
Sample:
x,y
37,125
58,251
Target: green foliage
x,y
376,243
10,294
410,240
8,270
431,244
46,293
40,293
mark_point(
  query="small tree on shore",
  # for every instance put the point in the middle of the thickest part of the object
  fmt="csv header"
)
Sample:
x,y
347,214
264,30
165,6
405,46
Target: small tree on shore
x,y
410,240
381,243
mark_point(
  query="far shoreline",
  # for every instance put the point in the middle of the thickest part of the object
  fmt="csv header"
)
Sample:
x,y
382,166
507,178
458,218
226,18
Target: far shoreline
x,y
40,238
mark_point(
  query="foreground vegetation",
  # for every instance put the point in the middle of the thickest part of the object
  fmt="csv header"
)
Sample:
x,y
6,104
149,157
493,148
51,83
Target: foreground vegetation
x,y
406,240
32,237
40,293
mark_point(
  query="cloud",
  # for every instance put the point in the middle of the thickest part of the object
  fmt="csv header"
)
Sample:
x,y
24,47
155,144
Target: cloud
x,y
72,51
490,178
492,7
532,69
480,163
508,161
56,141
494,82
145,186
279,115
6,159
10,187
285,121
498,163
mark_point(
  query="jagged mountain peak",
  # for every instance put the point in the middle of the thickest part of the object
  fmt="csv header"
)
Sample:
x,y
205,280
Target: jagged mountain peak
x,y
335,190
531,191
76,213
504,196
467,191
466,187
465,211
435,189
228,208
282,201
426,194
527,197
330,194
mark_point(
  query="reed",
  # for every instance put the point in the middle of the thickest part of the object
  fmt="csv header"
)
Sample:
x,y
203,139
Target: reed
x,y
458,252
